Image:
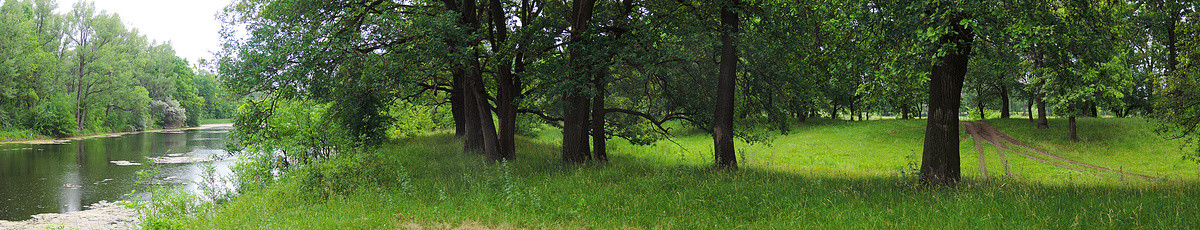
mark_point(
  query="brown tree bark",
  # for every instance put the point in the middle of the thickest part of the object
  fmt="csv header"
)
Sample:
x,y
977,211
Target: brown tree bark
x,y
599,145
487,127
457,106
723,116
576,108
904,112
1071,126
1042,122
473,135
468,71
1172,48
506,93
940,158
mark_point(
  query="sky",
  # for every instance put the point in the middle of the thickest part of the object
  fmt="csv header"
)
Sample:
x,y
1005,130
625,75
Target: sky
x,y
190,26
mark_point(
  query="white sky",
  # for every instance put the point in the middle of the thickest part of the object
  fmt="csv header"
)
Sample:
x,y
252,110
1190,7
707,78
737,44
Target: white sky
x,y
190,26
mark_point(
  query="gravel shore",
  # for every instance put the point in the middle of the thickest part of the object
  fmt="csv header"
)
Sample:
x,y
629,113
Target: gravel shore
x,y
103,215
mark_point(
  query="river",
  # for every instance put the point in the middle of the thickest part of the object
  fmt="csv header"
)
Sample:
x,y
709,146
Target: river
x,y
67,177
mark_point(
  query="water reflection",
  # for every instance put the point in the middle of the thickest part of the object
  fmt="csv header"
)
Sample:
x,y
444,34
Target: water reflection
x,y
68,177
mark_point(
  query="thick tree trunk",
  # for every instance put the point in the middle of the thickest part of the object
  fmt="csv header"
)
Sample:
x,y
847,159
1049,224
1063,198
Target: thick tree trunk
x,y
506,112
940,158
487,127
723,116
1071,126
1004,109
473,138
904,112
575,147
576,107
506,93
457,106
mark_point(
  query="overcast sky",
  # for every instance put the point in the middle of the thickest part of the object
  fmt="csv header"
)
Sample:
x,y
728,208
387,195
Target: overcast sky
x,y
190,26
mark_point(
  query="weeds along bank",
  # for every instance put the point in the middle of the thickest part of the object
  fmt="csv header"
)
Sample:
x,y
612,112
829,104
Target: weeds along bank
x,y
424,181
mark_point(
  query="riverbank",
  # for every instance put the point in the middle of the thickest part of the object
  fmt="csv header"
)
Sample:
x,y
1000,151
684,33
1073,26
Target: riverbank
x,y
102,215
90,136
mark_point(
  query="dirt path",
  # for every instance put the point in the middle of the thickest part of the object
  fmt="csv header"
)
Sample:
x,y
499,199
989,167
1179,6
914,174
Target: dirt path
x,y
994,136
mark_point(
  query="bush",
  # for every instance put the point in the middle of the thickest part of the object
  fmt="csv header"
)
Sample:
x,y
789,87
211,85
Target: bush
x,y
169,113
53,117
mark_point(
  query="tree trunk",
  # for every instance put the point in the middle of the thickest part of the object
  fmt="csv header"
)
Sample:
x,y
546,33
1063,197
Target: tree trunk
x,y
1004,109
487,127
979,102
723,116
473,138
1172,48
575,147
904,112
506,93
464,87
576,108
1042,122
1071,126
1029,106
599,145
940,158
456,106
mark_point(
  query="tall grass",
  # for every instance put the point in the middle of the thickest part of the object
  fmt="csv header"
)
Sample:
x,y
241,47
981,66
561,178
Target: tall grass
x,y
826,174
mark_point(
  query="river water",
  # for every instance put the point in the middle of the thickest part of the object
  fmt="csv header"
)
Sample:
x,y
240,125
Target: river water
x,y
58,178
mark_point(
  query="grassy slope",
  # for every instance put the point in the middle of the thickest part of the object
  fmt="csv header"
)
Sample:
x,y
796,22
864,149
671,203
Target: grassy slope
x,y
827,175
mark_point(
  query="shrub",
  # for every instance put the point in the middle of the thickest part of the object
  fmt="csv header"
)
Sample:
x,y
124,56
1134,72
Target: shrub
x,y
53,117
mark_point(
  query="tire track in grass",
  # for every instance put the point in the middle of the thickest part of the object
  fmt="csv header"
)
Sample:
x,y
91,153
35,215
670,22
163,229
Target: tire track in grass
x,y
1000,148
991,138
974,131
994,133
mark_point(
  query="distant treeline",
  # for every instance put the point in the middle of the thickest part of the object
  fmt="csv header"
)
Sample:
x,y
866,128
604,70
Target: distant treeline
x,y
82,70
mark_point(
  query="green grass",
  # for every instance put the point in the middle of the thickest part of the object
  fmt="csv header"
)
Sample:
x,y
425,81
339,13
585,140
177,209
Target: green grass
x,y
19,134
826,174
214,121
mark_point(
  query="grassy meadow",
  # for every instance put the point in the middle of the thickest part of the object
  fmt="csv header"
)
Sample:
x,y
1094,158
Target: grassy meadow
x,y
823,174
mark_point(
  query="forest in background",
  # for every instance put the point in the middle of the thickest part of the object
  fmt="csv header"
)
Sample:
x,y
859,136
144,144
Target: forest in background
x,y
82,70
